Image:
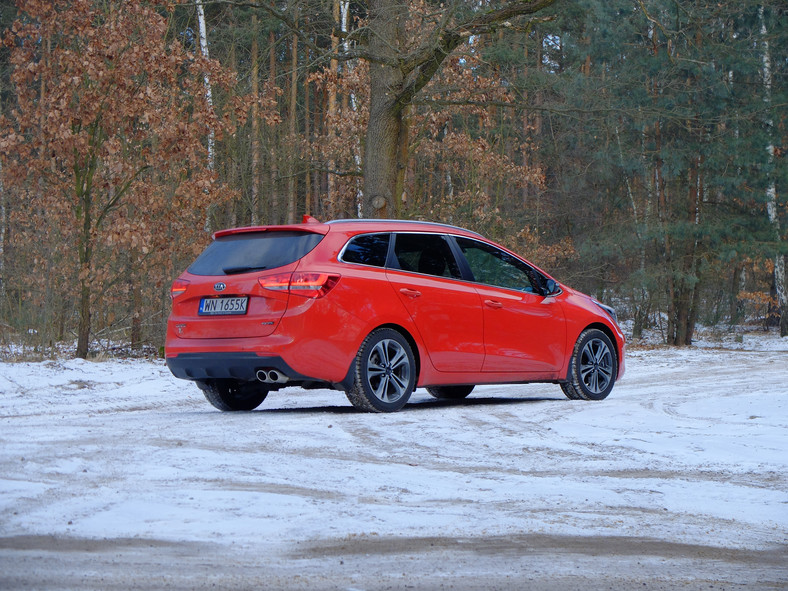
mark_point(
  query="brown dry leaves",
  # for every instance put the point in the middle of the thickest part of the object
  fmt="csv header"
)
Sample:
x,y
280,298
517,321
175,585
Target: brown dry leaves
x,y
106,145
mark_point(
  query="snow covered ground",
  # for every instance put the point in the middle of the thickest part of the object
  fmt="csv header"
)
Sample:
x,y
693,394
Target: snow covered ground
x,y
115,475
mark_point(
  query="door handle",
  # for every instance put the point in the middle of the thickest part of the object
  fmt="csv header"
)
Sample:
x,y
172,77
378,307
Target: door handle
x,y
411,293
493,304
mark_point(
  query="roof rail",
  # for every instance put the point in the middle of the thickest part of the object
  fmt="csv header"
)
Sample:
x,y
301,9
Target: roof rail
x,y
414,222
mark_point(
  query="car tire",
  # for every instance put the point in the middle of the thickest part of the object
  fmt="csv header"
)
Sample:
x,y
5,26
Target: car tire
x,y
233,395
385,372
450,392
569,391
592,368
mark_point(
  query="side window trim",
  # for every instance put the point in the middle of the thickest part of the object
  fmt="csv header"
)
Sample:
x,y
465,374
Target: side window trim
x,y
391,257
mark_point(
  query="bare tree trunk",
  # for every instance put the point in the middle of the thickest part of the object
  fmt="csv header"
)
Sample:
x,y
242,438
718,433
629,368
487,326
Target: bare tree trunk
x,y
640,293
83,331
254,206
387,20
738,285
308,141
273,196
317,180
85,247
292,185
208,98
331,196
771,190
3,226
667,246
136,304
206,77
380,153
403,151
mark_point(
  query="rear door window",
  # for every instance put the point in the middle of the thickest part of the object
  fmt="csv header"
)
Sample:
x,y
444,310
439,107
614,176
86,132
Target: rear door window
x,y
429,254
368,249
253,251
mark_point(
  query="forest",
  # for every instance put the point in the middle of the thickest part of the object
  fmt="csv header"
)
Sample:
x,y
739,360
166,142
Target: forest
x,y
634,149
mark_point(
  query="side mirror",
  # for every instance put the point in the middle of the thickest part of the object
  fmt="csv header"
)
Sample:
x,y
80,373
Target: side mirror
x,y
551,287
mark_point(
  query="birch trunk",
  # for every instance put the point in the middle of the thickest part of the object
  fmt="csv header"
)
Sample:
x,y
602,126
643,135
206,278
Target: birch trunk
x,y
771,188
206,79
208,99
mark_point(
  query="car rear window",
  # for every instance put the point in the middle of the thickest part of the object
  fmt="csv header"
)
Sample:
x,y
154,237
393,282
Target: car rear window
x,y
254,251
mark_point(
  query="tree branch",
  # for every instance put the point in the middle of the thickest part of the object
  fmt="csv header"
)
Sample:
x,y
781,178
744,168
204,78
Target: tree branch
x,y
420,65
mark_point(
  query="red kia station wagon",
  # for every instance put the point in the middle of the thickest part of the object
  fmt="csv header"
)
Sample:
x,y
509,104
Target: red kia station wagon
x,y
377,308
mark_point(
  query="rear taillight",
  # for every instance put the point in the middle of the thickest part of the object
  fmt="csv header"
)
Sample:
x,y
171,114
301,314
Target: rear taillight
x,y
178,287
308,285
275,282
312,285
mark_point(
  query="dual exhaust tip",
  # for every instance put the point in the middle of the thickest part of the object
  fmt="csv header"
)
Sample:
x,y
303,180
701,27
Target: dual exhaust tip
x,y
271,376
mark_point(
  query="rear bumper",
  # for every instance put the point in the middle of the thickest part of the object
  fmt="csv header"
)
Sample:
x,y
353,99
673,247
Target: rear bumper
x,y
236,366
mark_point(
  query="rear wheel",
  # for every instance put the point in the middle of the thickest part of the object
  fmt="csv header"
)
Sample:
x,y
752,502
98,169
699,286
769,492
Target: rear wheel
x,y
450,392
385,372
592,370
230,395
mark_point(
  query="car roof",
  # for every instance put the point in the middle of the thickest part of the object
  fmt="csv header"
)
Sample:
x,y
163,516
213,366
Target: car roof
x,y
354,226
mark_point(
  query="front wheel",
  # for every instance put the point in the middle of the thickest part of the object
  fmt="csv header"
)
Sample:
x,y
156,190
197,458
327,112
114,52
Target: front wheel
x,y
385,372
593,367
230,395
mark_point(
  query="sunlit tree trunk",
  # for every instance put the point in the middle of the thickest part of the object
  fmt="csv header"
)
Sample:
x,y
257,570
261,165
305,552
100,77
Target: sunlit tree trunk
x,y
254,206
206,78
387,22
771,189
203,34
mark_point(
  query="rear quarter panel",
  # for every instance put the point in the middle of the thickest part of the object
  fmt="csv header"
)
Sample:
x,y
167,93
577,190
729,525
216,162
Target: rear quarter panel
x,y
362,300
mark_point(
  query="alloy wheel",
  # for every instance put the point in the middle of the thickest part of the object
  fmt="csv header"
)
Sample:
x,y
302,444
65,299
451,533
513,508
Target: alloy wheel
x,y
596,366
388,370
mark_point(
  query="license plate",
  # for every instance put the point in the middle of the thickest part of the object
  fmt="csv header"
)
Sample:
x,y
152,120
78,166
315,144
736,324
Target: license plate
x,y
222,306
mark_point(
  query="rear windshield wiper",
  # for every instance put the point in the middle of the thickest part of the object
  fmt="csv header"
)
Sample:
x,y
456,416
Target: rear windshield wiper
x,y
244,269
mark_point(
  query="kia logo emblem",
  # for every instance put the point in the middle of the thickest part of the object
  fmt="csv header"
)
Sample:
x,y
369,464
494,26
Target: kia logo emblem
x,y
220,286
